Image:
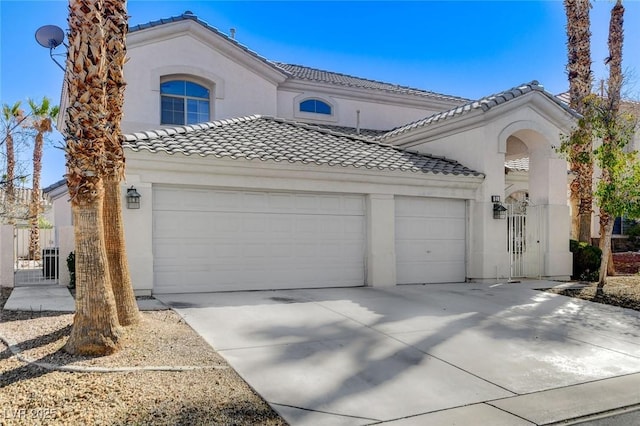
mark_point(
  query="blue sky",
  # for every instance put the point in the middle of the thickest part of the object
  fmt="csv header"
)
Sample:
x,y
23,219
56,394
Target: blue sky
x,y
464,48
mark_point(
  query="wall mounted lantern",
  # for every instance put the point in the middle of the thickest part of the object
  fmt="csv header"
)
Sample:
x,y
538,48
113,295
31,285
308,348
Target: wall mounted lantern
x,y
133,198
499,211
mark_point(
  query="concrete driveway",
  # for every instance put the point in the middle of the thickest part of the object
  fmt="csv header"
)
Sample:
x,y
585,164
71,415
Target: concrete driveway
x,y
470,354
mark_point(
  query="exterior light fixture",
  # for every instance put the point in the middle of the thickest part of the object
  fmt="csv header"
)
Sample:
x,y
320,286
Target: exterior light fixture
x,y
50,37
499,211
133,198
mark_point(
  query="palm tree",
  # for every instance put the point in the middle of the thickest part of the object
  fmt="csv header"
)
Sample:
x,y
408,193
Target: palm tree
x,y
580,81
96,330
609,140
116,26
43,115
12,116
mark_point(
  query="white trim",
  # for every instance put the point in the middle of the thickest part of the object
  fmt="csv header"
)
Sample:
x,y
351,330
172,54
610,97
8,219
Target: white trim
x,y
214,82
333,117
207,84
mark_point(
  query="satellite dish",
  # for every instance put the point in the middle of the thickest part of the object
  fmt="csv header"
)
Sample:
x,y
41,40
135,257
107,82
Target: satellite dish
x,y
49,36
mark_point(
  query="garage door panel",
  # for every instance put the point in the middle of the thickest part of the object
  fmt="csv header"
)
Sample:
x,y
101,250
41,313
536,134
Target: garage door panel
x,y
289,241
430,240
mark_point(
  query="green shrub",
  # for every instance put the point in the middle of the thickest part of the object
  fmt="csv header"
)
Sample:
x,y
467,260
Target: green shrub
x,y
586,261
71,266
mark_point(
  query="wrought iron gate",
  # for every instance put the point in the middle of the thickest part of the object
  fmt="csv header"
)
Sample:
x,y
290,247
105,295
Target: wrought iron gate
x,y
42,267
517,239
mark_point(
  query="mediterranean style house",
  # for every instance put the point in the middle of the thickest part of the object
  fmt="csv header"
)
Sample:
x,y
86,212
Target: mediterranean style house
x,y
255,174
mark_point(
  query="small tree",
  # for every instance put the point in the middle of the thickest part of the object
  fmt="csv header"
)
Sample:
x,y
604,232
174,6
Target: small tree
x,y
618,189
615,130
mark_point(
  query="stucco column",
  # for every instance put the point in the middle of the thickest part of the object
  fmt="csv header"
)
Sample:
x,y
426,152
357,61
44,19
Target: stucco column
x,y
6,256
138,227
487,257
548,196
381,243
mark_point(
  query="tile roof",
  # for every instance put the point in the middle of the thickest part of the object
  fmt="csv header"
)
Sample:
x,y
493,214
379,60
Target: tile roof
x,y
301,72
483,104
349,131
189,16
272,139
312,74
520,165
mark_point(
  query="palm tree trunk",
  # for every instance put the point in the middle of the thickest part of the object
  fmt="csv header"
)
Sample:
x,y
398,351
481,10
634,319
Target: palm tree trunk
x,y
11,175
125,299
116,25
579,72
34,207
96,330
95,326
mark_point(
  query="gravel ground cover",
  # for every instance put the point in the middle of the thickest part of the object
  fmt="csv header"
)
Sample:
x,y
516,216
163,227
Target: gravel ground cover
x,y
202,389
623,291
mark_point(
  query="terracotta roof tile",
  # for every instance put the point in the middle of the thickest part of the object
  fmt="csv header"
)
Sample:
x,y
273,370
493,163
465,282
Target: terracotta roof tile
x,y
279,140
312,74
483,104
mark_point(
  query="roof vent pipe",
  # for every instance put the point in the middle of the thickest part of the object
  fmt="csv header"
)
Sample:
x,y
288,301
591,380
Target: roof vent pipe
x,y
232,32
357,122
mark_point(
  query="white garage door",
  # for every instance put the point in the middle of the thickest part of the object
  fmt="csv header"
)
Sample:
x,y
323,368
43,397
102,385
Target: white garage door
x,y
217,240
430,240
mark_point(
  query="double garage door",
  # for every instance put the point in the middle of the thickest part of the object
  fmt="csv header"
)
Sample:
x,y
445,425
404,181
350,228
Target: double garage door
x,y
215,240
218,240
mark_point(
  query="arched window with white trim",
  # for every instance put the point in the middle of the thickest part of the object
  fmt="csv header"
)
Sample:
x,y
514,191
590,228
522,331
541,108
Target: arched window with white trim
x,y
315,106
184,102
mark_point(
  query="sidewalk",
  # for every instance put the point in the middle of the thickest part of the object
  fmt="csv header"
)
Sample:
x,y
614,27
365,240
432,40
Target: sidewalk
x,y
53,297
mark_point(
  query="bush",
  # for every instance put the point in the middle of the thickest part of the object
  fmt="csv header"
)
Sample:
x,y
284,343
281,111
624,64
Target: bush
x,y
71,266
586,261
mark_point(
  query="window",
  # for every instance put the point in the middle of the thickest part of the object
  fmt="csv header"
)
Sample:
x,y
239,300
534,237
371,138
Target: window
x,y
316,106
183,102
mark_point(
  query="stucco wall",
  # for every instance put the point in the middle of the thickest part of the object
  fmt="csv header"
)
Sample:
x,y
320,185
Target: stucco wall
x,y
236,90
146,169
375,114
479,142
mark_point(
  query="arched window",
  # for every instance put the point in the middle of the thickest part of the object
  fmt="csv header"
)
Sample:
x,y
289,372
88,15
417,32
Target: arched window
x,y
316,106
183,102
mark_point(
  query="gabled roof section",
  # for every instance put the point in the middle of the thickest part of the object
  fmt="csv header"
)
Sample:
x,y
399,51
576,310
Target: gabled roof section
x,y
483,104
278,140
189,16
300,72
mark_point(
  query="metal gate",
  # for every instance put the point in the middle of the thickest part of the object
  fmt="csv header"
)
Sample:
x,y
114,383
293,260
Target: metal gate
x,y
517,239
41,268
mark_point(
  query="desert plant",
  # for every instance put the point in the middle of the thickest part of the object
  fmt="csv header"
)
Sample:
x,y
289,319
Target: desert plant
x,y
71,266
586,261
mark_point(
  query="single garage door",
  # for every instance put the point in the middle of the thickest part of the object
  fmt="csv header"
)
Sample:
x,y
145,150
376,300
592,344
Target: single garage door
x,y
218,240
430,240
